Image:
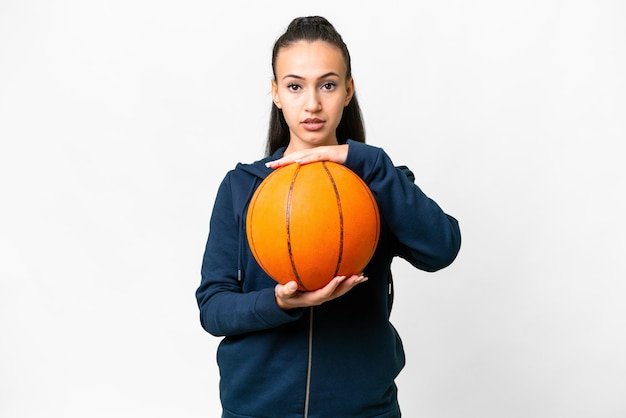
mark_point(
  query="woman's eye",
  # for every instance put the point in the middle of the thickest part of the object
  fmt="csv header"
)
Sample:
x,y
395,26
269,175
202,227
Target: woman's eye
x,y
293,87
328,86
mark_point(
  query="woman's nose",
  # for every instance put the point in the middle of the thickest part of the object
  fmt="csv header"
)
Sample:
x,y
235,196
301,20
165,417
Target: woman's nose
x,y
312,103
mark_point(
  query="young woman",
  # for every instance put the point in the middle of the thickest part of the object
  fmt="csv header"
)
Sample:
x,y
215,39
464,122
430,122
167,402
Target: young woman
x,y
330,352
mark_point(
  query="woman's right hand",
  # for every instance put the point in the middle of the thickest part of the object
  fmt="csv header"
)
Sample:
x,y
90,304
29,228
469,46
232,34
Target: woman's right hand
x,y
289,297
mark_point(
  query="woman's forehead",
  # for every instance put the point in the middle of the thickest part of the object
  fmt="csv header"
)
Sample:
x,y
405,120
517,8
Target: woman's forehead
x,y
309,58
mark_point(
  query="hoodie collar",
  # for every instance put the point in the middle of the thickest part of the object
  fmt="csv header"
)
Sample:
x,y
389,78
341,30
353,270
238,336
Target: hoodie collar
x,y
258,168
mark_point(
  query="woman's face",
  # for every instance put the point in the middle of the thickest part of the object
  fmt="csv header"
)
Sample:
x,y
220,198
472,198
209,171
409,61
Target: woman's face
x,y
312,90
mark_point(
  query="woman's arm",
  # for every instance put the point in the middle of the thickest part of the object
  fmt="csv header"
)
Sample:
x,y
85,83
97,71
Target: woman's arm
x,y
224,308
429,238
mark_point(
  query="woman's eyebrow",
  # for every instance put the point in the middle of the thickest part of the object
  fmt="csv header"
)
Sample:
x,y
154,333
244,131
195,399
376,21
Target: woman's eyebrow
x,y
329,74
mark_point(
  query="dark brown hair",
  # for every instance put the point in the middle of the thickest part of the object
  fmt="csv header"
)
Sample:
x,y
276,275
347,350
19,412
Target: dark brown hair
x,y
310,29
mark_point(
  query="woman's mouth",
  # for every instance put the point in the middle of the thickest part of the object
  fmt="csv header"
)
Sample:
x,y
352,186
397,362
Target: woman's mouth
x,y
312,124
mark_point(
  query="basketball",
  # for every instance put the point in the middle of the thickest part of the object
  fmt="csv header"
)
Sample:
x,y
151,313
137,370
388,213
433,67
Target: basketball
x,y
312,222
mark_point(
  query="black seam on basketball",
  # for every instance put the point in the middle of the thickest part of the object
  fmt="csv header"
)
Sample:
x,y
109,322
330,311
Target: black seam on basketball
x,y
376,218
339,208
288,225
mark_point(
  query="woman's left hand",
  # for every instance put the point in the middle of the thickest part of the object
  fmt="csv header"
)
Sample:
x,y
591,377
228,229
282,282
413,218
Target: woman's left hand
x,y
334,153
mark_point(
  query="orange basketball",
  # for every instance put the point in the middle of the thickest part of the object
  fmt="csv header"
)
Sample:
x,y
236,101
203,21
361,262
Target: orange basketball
x,y
312,222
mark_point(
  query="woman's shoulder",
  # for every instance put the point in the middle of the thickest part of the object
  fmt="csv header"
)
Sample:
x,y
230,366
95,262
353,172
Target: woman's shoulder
x,y
256,169
243,179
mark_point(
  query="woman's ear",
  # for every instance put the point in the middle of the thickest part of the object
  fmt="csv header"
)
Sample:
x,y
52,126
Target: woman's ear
x,y
275,97
349,91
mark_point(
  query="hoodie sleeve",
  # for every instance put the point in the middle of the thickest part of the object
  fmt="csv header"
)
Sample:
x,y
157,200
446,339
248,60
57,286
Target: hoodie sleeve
x,y
428,238
224,308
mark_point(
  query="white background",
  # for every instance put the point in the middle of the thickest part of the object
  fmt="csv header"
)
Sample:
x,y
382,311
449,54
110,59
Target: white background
x,y
119,119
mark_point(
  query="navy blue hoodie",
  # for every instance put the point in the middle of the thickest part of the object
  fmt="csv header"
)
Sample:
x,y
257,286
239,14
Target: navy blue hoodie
x,y
339,359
